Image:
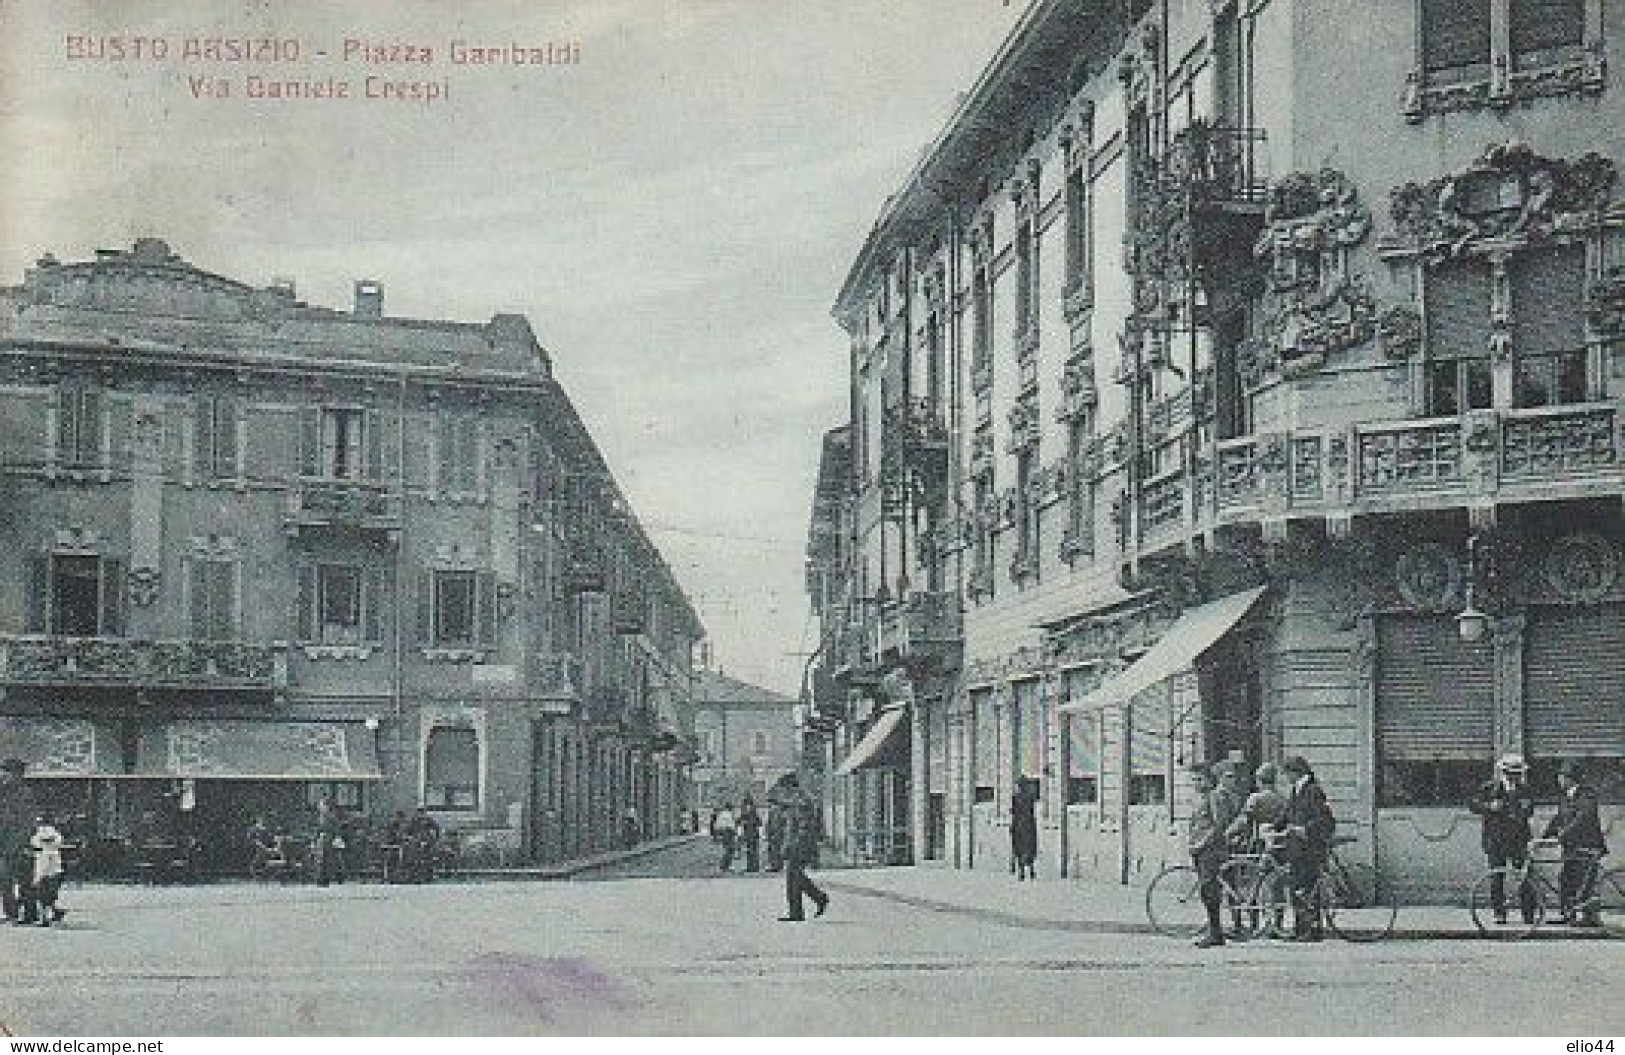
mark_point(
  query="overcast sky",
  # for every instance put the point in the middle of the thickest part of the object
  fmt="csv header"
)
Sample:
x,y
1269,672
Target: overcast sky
x,y
675,213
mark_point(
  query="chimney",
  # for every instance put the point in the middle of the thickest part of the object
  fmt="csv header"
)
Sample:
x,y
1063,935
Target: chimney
x,y
369,299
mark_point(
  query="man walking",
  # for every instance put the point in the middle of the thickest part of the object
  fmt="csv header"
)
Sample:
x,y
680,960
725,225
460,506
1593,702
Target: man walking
x,y
17,813
801,837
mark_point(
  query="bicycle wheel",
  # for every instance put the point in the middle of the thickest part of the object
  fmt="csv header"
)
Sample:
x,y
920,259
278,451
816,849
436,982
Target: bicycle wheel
x,y
1511,921
1238,877
1270,902
1359,904
1173,903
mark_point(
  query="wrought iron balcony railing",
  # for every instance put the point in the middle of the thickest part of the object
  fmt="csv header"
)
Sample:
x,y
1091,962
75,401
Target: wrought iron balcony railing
x,y
341,503
130,662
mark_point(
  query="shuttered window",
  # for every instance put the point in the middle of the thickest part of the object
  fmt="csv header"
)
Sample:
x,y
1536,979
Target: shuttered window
x,y
1457,302
451,768
74,596
1544,25
1435,692
79,426
457,609
458,447
23,428
212,599
1574,689
214,436
1455,34
1548,326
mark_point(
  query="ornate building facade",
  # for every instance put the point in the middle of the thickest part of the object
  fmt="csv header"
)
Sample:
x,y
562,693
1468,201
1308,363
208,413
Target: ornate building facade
x,y
1250,379
256,552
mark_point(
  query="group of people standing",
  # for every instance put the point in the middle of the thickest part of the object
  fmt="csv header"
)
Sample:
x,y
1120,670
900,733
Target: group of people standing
x,y
30,853
793,831
1507,805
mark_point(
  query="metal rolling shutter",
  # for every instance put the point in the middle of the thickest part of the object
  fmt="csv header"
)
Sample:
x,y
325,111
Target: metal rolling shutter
x,y
1548,300
1457,297
1574,689
1455,33
1539,25
1435,692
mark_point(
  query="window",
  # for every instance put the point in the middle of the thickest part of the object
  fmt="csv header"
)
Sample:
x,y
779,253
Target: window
x,y
341,604
1080,503
1430,782
1457,299
981,318
1462,41
332,444
1540,30
1027,541
1077,229
758,743
1082,791
457,609
341,444
1456,36
985,510
458,452
214,431
1026,278
345,794
212,599
451,769
1548,327
76,596
79,426
1147,789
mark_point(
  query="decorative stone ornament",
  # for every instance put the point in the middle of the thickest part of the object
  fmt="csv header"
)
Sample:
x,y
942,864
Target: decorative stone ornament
x,y
1308,215
1581,569
1605,303
1509,197
1429,577
1399,328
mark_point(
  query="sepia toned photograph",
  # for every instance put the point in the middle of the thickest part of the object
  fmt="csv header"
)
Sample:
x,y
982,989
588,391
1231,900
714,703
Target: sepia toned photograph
x,y
770,519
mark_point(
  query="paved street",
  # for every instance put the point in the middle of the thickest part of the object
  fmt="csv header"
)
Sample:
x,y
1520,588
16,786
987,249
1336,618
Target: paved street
x,y
685,955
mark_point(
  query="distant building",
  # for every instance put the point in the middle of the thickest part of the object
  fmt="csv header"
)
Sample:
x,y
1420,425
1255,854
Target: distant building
x,y
1237,379
254,552
745,737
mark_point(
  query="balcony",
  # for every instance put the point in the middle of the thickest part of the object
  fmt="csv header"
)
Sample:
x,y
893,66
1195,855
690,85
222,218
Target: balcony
x,y
584,569
127,663
341,504
1481,458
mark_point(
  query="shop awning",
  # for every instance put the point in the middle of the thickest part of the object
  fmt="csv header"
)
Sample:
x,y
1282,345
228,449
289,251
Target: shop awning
x,y
871,748
1191,635
257,750
57,748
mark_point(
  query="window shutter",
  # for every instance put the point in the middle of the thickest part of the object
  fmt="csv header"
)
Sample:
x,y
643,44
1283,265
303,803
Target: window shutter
x,y
112,598
1541,25
310,441
304,608
227,450
387,425
1548,300
426,607
174,442
1455,33
1574,693
67,418
197,592
36,604
203,429
373,437
375,593
223,600
90,427
1435,692
485,598
1457,300
445,454
119,419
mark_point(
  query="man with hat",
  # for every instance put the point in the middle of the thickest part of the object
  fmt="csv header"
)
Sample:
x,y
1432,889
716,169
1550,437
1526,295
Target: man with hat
x,y
1578,830
1217,803
1506,804
1309,824
17,813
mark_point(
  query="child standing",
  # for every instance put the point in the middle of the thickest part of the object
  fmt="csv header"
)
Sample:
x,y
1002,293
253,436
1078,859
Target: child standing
x,y
47,845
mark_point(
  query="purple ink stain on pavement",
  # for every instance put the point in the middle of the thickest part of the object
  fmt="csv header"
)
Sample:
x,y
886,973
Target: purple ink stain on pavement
x,y
545,985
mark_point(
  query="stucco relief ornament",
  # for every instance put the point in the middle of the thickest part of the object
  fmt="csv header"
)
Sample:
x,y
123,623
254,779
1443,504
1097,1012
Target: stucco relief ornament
x,y
1320,325
1400,330
1428,577
144,582
1306,216
1582,569
1605,303
1255,360
1510,194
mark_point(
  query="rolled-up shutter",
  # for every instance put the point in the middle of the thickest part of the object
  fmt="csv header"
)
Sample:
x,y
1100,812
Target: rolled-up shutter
x,y
1457,296
1455,33
1548,300
1574,690
1540,25
1435,692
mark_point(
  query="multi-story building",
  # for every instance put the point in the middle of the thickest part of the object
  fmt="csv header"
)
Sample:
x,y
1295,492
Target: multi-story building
x,y
254,552
1251,374
745,739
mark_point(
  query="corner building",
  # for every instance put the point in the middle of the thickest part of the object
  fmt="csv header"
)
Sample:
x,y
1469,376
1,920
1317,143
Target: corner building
x,y
253,552
1248,374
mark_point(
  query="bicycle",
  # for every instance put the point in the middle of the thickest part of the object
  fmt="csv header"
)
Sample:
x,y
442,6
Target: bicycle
x,y
1532,896
1353,899
1173,901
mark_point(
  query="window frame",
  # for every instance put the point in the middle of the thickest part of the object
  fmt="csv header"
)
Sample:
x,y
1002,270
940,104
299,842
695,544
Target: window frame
x,y
1507,75
446,801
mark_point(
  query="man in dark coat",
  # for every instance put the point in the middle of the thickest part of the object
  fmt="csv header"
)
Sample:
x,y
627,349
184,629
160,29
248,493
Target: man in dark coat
x,y
17,813
1506,804
1024,828
801,836
1217,804
1578,830
1309,825
749,826
778,797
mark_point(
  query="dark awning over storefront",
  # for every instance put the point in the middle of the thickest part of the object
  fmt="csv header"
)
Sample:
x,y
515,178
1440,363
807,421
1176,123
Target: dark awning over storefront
x,y
1192,634
56,748
252,750
871,750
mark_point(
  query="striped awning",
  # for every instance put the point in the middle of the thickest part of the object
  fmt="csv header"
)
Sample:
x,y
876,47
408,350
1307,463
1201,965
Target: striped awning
x,y
869,751
258,750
